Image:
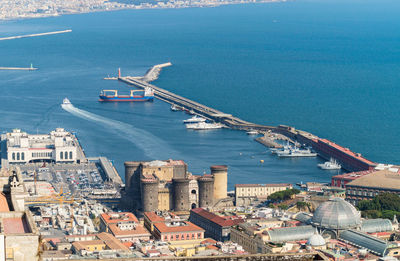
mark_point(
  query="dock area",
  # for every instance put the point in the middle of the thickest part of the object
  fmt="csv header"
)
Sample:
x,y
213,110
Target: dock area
x,y
349,160
268,142
200,109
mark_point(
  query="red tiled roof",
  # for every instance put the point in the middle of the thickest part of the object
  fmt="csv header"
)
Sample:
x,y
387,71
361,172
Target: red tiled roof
x,y
208,241
223,222
138,231
212,247
15,226
3,203
153,217
189,227
354,175
124,217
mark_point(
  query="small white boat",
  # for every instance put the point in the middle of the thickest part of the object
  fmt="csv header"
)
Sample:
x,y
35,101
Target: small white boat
x,y
66,101
174,107
252,132
330,165
195,119
204,126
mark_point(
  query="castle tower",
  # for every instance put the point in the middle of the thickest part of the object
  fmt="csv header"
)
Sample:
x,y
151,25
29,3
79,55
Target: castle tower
x,y
149,194
181,194
220,174
206,191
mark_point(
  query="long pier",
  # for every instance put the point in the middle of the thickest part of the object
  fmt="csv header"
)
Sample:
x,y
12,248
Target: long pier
x,y
34,35
326,149
200,109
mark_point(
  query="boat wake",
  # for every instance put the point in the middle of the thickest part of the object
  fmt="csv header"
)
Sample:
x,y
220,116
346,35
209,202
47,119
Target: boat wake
x,y
152,146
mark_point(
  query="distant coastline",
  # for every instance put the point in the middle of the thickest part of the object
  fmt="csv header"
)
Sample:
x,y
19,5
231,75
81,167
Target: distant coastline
x,y
19,12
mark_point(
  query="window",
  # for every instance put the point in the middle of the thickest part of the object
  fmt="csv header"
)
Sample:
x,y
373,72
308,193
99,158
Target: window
x,y
22,156
17,155
66,155
13,156
61,155
70,155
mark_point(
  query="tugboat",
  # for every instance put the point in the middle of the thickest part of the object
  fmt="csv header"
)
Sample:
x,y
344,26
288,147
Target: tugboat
x,y
148,95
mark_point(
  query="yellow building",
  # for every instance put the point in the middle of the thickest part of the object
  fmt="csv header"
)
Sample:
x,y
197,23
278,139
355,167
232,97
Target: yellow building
x,y
246,193
89,246
186,247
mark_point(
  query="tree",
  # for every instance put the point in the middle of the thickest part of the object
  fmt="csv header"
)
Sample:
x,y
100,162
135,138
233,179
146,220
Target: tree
x,y
384,205
301,205
283,195
283,206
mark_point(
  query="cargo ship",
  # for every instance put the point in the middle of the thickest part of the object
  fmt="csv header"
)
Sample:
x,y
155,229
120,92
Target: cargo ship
x,y
348,159
136,95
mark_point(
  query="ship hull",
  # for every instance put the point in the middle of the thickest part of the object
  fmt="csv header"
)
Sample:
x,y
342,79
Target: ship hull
x,y
125,98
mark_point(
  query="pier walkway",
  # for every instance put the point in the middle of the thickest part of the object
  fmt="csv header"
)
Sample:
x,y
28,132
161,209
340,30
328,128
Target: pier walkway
x,y
200,109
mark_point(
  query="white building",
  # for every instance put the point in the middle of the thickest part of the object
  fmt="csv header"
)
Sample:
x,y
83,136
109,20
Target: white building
x,y
58,146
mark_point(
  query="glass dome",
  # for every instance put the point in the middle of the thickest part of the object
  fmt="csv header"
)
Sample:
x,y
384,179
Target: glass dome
x,y
336,213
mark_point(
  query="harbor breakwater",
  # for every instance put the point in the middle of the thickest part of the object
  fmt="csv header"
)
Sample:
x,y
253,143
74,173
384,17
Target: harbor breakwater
x,y
326,149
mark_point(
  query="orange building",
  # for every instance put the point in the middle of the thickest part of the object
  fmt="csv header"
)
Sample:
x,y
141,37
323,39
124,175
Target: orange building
x,y
177,230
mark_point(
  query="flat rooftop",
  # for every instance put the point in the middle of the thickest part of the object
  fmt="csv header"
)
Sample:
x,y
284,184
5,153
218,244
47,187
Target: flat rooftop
x,y
18,225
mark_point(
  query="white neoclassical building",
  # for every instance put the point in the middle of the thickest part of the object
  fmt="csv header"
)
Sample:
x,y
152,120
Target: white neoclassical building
x,y
58,146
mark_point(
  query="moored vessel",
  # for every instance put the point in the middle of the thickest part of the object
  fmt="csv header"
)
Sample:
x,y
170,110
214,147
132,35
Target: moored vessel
x,y
296,152
204,126
330,165
112,95
194,119
252,132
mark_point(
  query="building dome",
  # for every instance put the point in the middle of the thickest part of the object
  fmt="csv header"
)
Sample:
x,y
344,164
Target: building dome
x,y
316,240
336,213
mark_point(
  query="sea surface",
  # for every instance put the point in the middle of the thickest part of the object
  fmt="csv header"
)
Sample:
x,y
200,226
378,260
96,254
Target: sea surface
x,y
328,67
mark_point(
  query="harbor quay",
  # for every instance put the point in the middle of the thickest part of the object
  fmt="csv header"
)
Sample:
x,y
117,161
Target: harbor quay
x,y
326,149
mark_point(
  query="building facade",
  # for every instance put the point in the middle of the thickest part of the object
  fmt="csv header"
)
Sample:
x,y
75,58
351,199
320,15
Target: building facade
x,y
247,193
177,230
215,226
58,146
369,186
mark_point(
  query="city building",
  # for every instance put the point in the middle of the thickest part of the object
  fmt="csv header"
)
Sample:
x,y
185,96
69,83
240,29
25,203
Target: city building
x,y
19,237
216,227
167,185
342,179
247,193
123,226
98,243
177,230
369,186
151,218
58,146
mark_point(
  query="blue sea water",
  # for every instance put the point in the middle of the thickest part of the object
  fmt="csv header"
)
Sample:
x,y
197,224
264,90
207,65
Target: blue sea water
x,y
328,67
